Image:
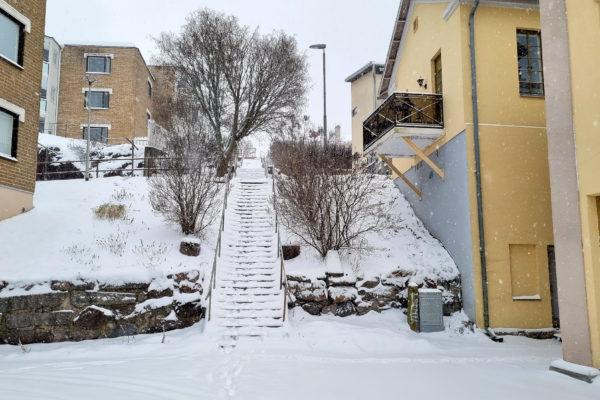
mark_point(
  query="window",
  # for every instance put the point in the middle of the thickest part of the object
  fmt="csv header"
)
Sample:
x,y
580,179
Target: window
x,y
529,54
9,125
97,133
149,89
437,74
11,38
42,127
98,64
97,98
45,74
46,55
43,107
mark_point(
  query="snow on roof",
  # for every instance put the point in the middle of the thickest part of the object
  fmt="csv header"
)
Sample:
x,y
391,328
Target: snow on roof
x,y
101,44
364,70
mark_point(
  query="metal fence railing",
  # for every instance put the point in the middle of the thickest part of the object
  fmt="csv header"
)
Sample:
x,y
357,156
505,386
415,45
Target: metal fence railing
x,y
283,283
213,274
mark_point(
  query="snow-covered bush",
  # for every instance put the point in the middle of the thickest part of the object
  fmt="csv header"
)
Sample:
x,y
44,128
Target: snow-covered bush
x,y
328,206
184,191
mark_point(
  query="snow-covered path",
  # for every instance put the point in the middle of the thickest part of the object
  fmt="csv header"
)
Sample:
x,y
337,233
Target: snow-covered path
x,y
248,298
369,357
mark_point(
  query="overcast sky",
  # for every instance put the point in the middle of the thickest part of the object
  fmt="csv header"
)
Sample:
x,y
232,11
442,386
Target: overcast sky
x,y
355,31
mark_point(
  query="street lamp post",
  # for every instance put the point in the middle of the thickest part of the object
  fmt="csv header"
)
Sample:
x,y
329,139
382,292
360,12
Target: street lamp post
x,y
322,47
90,81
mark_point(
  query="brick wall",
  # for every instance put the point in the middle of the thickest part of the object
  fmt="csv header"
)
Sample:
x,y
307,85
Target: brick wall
x,y
21,87
128,101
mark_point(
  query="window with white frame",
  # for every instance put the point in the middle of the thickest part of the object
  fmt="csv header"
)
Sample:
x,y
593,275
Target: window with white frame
x,y
97,133
98,64
9,126
97,99
12,37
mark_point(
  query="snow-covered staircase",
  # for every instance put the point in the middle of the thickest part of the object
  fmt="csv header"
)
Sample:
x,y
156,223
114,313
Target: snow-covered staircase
x,y
248,297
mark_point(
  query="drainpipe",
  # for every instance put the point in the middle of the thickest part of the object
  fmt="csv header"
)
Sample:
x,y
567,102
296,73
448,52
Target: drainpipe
x,y
482,250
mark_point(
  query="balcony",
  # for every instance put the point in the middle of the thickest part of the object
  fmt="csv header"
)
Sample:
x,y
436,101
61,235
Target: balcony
x,y
403,121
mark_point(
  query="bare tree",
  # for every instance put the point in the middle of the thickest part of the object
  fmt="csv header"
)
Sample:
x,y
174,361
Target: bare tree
x,y
184,191
243,82
322,200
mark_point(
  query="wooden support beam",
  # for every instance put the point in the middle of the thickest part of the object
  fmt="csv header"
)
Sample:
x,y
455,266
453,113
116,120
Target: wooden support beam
x,y
420,154
389,163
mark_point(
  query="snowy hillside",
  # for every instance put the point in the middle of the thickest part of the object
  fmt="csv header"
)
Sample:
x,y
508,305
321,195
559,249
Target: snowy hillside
x,y
61,238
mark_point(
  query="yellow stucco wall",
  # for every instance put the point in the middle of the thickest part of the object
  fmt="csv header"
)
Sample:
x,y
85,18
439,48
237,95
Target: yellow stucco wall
x,y
514,164
583,18
362,94
515,177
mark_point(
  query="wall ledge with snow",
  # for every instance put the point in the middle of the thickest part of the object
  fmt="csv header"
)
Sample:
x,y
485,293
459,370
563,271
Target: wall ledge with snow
x,y
73,311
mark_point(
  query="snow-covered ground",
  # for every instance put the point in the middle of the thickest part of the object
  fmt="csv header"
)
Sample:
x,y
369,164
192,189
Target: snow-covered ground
x,y
62,239
369,357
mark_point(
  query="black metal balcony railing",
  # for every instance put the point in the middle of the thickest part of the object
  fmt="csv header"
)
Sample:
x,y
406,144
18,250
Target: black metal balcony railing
x,y
417,110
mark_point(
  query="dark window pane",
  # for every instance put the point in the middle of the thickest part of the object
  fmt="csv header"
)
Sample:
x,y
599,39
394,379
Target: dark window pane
x,y
533,40
535,76
10,37
521,39
523,63
97,133
98,99
536,64
537,89
8,122
522,51
98,64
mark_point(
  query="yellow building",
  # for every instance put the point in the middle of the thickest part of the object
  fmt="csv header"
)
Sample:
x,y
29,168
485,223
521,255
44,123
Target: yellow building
x,y
468,142
364,85
571,33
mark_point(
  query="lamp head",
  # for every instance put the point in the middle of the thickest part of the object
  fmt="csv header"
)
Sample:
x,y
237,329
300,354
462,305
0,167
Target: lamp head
x,y
320,46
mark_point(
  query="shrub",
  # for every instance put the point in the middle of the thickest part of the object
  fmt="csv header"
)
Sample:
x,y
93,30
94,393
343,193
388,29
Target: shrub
x,y
110,211
324,202
184,191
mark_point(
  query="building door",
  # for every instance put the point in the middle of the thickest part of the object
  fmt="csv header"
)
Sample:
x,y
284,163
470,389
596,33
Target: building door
x,y
553,287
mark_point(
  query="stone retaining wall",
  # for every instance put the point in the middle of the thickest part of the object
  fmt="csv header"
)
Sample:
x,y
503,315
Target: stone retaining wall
x,y
89,310
343,294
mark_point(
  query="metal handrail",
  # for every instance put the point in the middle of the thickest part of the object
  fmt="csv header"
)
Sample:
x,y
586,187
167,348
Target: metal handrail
x,y
283,283
213,274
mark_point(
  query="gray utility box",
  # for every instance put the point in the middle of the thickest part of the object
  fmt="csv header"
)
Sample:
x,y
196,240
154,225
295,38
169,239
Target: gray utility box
x,y
431,310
